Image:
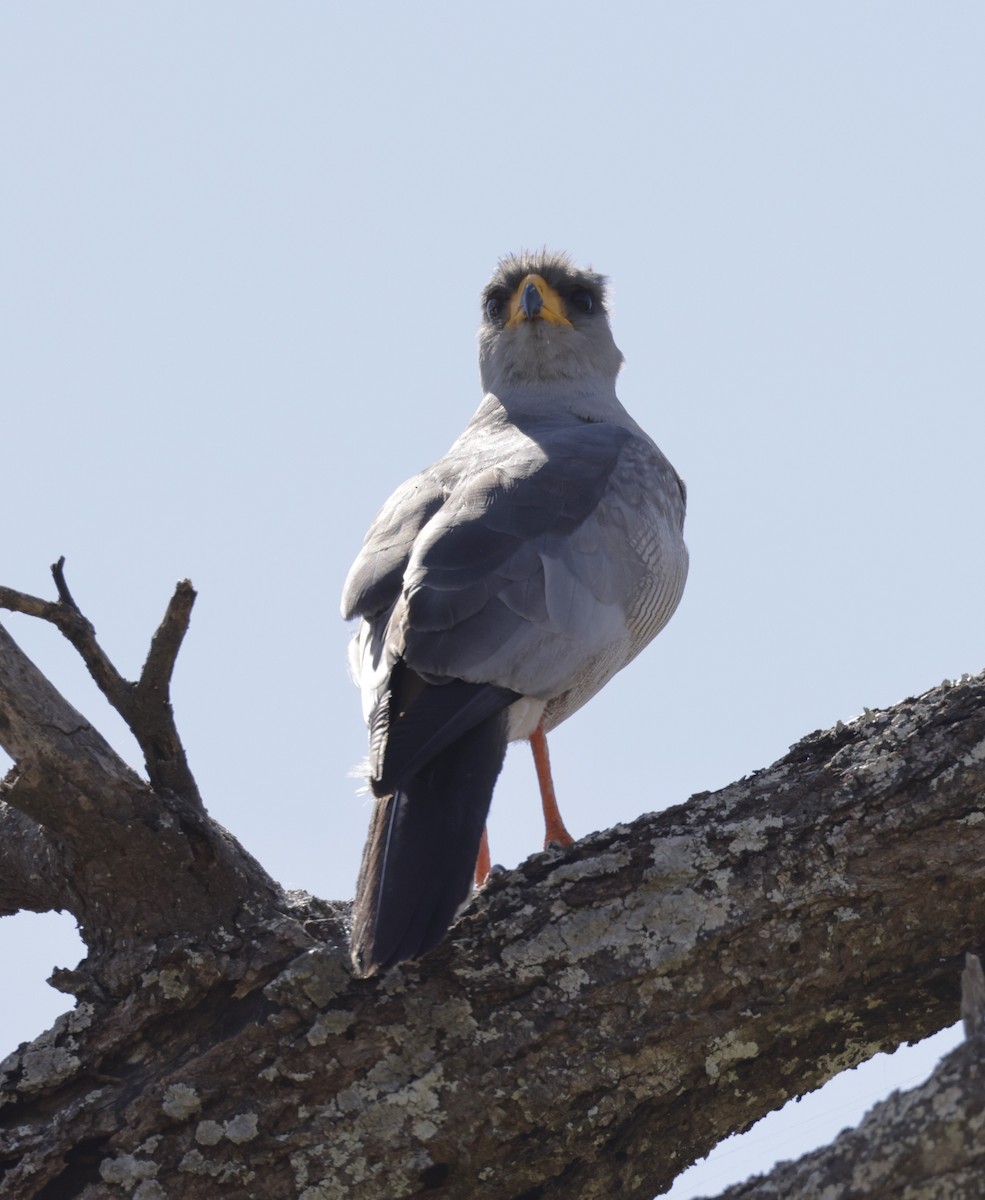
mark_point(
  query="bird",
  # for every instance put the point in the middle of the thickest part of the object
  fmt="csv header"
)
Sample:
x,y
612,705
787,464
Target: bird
x,y
497,591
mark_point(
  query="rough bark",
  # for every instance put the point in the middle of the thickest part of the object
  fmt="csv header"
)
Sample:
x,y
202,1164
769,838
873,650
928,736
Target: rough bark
x,y
597,1020
925,1144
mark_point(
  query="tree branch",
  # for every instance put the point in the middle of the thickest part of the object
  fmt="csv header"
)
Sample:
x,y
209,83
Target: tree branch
x,y
140,864
598,1018
61,585
145,705
32,863
928,1142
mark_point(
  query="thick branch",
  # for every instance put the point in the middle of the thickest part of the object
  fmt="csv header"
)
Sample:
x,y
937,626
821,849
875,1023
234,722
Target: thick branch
x,y
598,1018
145,705
929,1142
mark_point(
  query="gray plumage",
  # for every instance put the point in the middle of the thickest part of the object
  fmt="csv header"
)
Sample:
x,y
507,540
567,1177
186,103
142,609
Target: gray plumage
x,y
533,561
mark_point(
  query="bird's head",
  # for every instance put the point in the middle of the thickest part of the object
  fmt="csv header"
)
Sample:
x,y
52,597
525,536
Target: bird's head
x,y
544,322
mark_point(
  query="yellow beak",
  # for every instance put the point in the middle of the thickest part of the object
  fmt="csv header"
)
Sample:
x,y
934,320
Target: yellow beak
x,y
535,299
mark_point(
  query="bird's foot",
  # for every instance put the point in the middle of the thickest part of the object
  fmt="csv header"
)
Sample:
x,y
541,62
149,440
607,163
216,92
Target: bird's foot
x,y
495,873
558,840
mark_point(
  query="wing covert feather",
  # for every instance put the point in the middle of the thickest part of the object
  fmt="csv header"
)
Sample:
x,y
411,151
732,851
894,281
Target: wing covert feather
x,y
376,577
531,570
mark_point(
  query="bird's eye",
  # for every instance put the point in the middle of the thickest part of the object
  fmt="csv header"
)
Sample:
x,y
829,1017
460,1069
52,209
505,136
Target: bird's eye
x,y
582,299
494,307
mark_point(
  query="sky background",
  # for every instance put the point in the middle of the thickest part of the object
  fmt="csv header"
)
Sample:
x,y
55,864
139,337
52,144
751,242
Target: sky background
x,y
241,249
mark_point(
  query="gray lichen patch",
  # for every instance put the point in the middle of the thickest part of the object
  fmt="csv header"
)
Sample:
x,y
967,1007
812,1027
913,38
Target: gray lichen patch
x,y
571,936
314,978
327,1026
590,868
127,1170
208,1133
51,1058
753,834
677,861
180,1101
726,1050
571,981
195,1163
45,1065
149,1189
672,925
239,1129
171,981
392,1102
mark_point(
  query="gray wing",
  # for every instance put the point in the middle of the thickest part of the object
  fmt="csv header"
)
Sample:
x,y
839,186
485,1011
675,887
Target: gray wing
x,y
539,573
376,577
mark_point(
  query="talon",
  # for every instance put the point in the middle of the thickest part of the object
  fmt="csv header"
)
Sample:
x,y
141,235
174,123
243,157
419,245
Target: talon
x,y
558,843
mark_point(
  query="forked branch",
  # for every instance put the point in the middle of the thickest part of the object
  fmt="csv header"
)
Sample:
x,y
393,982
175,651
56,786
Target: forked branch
x,y
138,864
144,704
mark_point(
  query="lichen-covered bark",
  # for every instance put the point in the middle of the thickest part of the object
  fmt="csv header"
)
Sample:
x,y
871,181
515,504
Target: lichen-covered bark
x,y
596,1021
926,1144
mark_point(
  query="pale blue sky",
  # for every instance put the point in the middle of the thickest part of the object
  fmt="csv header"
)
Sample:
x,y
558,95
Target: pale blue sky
x,y
242,247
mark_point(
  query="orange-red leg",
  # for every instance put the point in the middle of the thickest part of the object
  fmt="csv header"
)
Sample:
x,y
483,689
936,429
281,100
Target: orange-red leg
x,y
555,833
483,863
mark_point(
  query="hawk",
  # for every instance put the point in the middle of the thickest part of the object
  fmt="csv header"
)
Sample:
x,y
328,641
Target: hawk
x,y
498,590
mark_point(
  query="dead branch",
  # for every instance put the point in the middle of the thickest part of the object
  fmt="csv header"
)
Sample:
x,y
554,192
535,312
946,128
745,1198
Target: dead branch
x,y
139,863
145,705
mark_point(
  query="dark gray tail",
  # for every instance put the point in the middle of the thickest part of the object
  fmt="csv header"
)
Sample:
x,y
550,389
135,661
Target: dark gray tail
x,y
423,841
